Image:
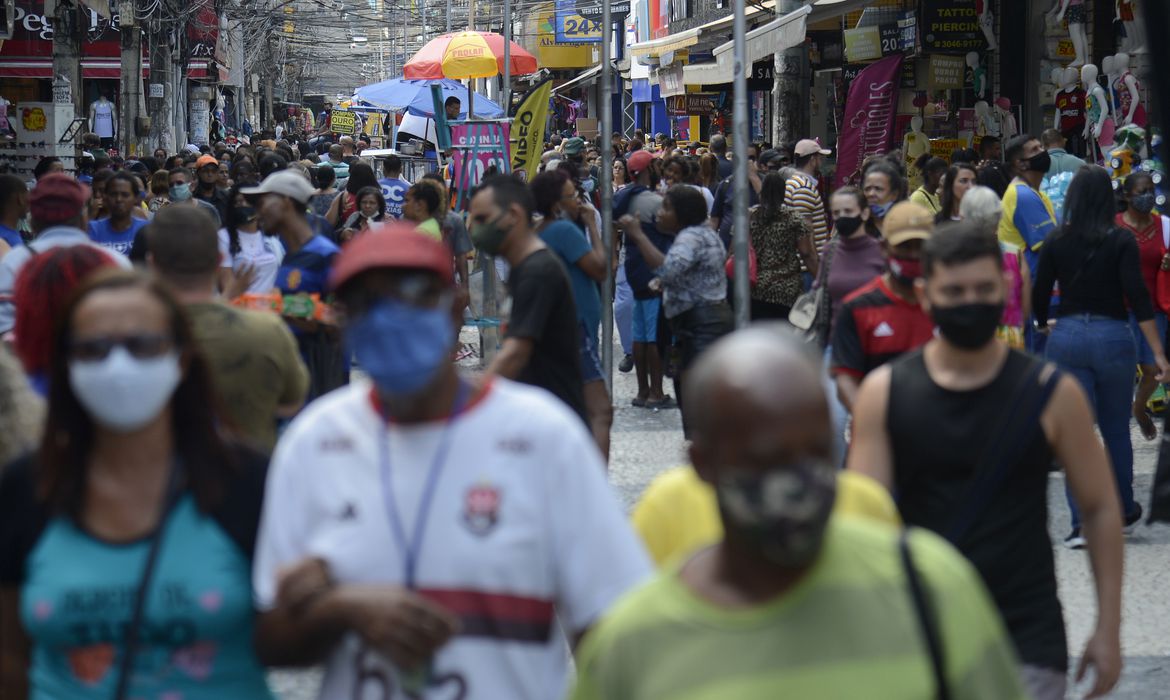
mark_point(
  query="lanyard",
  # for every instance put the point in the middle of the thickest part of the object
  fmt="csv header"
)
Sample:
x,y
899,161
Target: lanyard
x,y
413,548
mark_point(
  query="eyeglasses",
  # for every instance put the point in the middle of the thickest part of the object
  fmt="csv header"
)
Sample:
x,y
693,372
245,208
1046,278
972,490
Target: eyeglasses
x,y
143,346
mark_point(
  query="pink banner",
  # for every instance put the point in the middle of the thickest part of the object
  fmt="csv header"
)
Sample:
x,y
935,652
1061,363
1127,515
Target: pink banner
x,y
493,140
868,125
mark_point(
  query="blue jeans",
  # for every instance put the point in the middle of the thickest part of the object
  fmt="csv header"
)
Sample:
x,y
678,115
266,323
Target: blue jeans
x,y
1145,354
623,310
1101,354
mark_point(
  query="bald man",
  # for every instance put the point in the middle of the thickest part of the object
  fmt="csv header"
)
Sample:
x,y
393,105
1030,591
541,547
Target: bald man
x,y
764,612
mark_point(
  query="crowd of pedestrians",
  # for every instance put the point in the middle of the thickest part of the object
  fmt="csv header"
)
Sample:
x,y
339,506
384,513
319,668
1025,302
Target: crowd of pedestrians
x,y
237,434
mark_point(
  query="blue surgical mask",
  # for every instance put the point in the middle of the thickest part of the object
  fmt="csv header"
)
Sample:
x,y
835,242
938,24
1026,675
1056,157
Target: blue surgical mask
x,y
880,210
181,193
401,346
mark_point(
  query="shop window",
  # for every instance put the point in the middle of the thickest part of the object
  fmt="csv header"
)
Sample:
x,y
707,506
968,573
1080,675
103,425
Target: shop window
x,y
680,10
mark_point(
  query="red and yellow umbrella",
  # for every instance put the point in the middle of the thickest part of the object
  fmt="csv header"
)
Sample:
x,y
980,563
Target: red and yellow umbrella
x,y
466,55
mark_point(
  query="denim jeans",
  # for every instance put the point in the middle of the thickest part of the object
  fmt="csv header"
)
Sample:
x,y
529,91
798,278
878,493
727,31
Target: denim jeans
x,y
836,410
623,310
1101,354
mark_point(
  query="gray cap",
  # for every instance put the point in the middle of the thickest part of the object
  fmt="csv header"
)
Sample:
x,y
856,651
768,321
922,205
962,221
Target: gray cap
x,y
289,183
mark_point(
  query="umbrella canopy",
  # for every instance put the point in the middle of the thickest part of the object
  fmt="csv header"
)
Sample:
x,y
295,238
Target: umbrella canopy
x,y
414,96
467,55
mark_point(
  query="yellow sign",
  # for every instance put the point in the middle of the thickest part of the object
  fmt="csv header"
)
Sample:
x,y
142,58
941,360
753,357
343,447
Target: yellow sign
x,y
343,123
863,44
528,130
543,44
943,148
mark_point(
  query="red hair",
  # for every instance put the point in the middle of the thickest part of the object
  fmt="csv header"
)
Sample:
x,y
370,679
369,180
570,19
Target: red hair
x,y
43,288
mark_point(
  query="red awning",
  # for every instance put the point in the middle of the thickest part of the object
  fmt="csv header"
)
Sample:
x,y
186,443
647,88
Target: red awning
x,y
90,68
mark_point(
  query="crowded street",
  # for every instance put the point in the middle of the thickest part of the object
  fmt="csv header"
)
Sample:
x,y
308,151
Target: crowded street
x,y
584,350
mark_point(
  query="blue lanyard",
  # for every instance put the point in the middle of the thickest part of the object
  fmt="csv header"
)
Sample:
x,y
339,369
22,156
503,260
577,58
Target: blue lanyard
x,y
413,548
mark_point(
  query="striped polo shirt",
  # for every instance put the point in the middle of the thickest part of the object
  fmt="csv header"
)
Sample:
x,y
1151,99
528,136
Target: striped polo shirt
x,y
801,193
848,629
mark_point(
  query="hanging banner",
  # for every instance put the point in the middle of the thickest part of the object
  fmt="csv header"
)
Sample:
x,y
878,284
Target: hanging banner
x,y
528,134
868,121
491,153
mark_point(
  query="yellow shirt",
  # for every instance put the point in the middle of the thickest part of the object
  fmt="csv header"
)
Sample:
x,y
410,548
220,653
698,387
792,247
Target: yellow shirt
x,y
431,228
678,514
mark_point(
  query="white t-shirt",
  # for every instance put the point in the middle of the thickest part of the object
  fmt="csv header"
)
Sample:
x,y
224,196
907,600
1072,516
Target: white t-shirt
x,y
522,532
265,253
710,198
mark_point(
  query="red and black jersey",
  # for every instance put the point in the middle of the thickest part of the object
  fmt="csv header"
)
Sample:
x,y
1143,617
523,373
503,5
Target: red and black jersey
x,y
875,326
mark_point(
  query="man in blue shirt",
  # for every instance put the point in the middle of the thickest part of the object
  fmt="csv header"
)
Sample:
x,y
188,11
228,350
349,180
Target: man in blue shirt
x,y
393,186
117,231
13,208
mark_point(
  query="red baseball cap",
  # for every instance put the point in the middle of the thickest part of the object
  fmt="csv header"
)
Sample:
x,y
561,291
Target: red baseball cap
x,y
395,245
638,161
57,198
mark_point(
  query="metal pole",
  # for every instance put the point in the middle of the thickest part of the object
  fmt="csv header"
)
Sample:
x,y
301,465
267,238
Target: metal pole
x,y
450,11
607,194
740,193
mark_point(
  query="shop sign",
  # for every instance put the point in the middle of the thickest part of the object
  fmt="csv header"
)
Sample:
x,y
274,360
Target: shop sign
x,y
763,75
573,28
593,9
947,72
696,104
670,81
494,152
343,123
33,119
157,90
951,26
863,44
943,148
967,119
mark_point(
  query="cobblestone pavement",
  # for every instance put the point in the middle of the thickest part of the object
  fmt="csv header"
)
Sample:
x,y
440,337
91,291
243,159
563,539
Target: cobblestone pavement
x,y
648,442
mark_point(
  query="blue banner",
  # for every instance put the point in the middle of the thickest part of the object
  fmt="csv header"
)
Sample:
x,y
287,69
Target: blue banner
x,y
572,28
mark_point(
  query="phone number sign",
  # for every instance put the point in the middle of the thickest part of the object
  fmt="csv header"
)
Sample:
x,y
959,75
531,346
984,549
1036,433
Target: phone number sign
x,y
574,28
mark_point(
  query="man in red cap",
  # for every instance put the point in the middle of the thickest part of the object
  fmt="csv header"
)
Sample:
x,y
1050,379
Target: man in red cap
x,y
423,529
207,186
57,211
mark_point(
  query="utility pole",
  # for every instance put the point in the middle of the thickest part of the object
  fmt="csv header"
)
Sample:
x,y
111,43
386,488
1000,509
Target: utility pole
x,y
68,26
131,82
160,60
790,94
739,130
449,13
606,172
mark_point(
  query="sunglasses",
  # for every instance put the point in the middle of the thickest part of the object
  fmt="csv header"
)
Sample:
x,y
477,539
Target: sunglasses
x,y
143,346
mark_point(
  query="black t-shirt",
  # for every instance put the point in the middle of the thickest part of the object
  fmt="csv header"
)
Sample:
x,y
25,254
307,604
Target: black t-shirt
x,y
938,438
218,199
543,312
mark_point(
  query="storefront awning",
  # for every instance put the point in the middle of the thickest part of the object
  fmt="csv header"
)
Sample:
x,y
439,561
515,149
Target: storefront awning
x,y
673,42
778,35
584,80
91,68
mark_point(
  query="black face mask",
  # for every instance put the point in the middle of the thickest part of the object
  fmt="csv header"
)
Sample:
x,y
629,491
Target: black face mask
x,y
1039,163
967,326
848,225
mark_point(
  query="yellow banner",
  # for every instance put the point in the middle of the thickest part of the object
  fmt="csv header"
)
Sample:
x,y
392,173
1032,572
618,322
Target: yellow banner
x,y
528,130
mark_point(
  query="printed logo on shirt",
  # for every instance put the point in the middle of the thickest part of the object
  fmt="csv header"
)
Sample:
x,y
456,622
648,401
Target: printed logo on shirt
x,y
883,331
481,510
337,444
294,278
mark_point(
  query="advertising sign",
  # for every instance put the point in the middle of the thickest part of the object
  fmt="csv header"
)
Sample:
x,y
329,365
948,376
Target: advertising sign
x,y
573,28
344,123
530,120
951,26
863,44
593,9
947,72
492,153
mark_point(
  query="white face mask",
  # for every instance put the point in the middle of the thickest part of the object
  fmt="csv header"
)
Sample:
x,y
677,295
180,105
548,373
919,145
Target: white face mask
x,y
123,393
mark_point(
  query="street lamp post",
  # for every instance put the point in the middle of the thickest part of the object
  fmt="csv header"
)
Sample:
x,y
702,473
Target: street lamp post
x,y
607,192
740,192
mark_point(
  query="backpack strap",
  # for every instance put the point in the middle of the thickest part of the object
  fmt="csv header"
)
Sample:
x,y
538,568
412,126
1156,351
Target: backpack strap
x,y
926,619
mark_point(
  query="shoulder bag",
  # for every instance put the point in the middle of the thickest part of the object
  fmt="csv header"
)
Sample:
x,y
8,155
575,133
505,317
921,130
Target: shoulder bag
x,y
926,619
810,312
1162,282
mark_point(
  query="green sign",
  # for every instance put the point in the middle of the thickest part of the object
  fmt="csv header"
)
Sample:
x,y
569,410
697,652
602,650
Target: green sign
x,y
344,123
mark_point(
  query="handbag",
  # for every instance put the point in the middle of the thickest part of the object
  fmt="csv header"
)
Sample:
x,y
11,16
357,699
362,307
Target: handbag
x,y
753,269
1162,280
810,312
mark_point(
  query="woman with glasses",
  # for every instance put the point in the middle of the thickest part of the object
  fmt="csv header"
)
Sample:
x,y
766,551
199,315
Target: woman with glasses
x,y
125,559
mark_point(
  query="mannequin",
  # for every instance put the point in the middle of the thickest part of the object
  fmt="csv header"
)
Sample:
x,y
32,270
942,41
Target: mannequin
x,y
1070,110
1074,11
1135,27
1127,94
985,122
6,131
1007,121
914,144
1098,125
979,73
986,23
103,120
1109,70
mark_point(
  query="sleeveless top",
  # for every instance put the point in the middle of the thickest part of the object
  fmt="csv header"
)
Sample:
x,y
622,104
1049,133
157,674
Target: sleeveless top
x,y
1124,100
103,119
938,437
